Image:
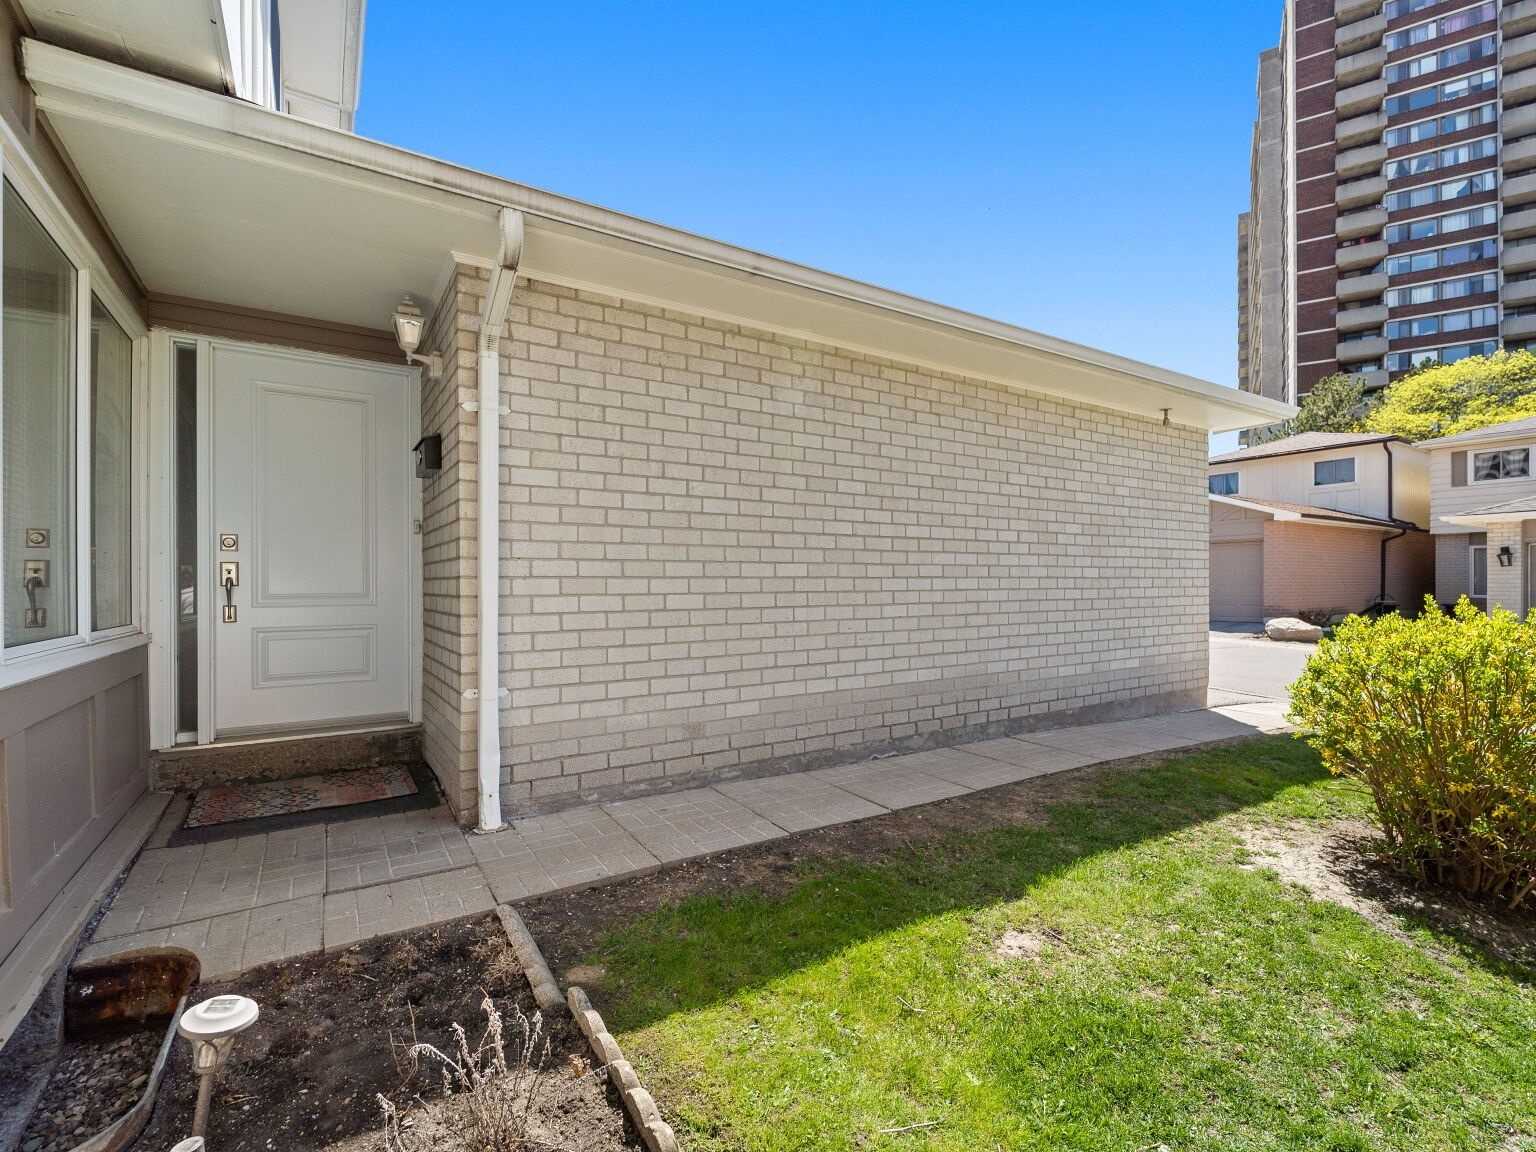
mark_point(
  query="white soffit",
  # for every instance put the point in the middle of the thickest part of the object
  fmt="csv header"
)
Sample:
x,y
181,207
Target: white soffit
x,y
217,199
322,57
178,38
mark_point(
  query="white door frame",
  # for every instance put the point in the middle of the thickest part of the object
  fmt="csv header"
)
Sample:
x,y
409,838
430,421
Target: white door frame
x,y
1530,578
162,586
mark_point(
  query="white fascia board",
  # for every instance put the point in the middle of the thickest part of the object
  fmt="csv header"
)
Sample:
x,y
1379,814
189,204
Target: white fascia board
x,y
1493,432
1477,520
582,245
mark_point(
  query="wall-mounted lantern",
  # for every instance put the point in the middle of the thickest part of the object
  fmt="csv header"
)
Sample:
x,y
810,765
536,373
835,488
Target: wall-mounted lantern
x,y
409,327
429,456
1506,556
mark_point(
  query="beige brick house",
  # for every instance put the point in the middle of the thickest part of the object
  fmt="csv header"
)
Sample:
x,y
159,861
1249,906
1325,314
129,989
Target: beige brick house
x,y
1318,522
1483,515
640,507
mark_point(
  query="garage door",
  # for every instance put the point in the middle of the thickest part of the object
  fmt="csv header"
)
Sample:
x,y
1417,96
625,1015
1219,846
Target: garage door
x,y
1237,580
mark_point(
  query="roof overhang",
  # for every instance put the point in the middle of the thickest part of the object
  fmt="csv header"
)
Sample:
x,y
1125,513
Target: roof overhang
x,y
1493,432
216,199
1322,521
1483,519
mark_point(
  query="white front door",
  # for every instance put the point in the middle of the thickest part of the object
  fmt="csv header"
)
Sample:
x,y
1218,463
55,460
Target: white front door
x,y
312,498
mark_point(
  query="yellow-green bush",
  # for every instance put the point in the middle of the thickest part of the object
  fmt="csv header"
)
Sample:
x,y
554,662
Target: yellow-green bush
x,y
1437,717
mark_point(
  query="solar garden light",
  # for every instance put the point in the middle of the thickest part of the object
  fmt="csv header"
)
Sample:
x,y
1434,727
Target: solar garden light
x,y
211,1028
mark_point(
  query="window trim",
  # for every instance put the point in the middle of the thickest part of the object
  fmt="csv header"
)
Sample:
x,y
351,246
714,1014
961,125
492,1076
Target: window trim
x,y
44,657
1530,458
1354,470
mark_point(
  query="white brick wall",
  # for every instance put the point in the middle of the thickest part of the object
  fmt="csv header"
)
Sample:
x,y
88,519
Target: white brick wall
x,y
726,549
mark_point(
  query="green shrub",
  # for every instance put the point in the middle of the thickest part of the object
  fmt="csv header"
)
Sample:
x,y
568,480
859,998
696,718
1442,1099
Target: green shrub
x,y
1437,717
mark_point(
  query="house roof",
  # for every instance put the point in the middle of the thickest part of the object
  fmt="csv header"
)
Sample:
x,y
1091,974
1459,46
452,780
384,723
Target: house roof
x,y
1511,510
1284,510
215,199
1301,442
1477,435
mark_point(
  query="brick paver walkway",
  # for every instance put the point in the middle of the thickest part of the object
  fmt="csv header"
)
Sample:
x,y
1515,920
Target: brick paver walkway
x,y
277,895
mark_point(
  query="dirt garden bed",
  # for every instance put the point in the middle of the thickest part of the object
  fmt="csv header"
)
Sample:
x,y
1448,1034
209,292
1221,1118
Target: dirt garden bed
x,y
334,1034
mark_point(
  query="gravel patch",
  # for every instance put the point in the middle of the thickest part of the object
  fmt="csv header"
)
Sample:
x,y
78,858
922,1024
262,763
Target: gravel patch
x,y
94,1083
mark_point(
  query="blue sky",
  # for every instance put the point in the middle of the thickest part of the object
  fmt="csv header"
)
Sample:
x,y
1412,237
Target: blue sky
x,y
1074,168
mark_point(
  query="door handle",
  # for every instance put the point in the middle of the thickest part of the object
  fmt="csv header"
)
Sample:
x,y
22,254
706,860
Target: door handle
x,y
34,576
229,577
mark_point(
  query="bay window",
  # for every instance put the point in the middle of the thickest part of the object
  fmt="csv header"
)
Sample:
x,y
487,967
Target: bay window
x,y
67,490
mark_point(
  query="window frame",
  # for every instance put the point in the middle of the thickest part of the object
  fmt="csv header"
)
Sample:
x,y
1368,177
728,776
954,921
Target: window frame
x,y
1237,483
43,657
1354,472
1472,593
1472,456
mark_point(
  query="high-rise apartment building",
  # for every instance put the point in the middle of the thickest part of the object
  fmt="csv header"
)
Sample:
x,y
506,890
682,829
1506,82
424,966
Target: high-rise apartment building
x,y
1393,208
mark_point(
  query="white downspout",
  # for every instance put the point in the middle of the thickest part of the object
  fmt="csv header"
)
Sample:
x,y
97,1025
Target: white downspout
x,y
492,319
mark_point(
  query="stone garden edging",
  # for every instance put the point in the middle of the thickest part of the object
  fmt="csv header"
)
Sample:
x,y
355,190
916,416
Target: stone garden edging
x,y
656,1133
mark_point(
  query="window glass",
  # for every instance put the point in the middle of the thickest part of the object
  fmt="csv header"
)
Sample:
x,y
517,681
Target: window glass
x,y
37,372
186,539
1334,471
1508,464
1479,566
1223,484
111,472
1483,81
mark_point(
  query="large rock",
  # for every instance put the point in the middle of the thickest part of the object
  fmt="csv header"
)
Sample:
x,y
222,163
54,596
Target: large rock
x,y
1290,628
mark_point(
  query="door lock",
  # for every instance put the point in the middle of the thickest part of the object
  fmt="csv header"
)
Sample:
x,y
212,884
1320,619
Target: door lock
x,y
229,577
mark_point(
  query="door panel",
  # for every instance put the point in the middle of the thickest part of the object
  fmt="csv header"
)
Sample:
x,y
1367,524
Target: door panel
x,y
1237,580
311,479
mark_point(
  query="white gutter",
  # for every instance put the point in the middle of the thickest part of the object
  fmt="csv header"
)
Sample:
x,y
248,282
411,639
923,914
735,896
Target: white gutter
x,y
493,317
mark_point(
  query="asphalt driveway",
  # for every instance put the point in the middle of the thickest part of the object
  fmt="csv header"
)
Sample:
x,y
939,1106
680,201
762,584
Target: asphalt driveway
x,y
1252,666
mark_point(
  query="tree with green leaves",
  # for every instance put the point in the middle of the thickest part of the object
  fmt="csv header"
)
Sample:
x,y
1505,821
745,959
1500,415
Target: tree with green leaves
x,y
1445,399
1335,404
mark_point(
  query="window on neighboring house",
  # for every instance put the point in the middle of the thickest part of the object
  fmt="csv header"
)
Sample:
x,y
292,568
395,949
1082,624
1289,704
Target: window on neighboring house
x,y
1477,570
1334,471
66,512
1505,464
1223,484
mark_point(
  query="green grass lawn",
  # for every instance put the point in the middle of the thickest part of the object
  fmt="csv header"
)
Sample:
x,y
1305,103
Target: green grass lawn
x,y
1179,999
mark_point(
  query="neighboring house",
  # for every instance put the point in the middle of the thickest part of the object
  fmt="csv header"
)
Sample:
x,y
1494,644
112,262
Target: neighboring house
x,y
1483,515
683,510
1321,521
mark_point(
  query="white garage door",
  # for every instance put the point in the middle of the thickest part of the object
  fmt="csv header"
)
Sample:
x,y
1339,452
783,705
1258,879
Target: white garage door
x,y
1237,580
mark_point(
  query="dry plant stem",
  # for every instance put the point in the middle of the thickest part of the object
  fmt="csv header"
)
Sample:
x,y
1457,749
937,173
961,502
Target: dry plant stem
x,y
499,1092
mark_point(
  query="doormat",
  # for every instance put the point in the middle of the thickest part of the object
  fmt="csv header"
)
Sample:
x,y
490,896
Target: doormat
x,y
225,803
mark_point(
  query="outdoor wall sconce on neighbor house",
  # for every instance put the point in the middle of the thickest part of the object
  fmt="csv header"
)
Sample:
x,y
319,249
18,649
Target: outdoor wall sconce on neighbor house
x,y
1506,556
409,325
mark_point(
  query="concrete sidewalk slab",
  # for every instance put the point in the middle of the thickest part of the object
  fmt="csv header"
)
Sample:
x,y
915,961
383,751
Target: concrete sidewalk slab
x,y
895,783
798,803
680,825
273,896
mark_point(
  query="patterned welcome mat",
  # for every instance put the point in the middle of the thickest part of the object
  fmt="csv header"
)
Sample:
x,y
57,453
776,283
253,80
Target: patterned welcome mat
x,y
225,803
